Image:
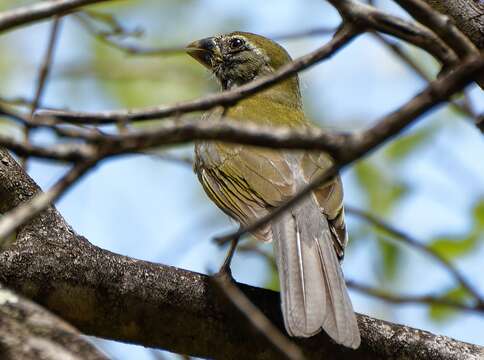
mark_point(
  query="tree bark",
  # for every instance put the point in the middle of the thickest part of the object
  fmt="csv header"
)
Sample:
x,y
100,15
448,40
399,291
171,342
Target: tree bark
x,y
467,14
119,298
29,332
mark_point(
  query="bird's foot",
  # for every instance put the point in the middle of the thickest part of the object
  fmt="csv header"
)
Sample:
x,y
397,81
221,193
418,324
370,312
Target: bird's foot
x,y
224,270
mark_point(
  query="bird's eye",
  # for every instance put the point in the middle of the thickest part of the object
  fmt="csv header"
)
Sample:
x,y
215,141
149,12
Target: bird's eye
x,y
236,43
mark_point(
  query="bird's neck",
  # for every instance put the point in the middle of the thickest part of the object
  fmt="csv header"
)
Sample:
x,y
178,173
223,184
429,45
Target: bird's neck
x,y
286,92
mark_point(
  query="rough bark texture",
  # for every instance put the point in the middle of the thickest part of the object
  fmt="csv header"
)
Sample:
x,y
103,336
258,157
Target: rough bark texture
x,y
29,332
120,298
467,14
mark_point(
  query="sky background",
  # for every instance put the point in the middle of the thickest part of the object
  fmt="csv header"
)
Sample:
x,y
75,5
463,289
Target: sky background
x,y
155,210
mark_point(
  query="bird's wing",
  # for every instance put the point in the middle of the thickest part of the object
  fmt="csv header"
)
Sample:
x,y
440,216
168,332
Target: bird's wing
x,y
247,181
329,197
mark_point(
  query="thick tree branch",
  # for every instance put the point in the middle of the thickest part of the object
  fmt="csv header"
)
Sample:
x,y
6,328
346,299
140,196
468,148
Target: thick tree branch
x,y
257,318
441,25
370,17
29,332
11,19
467,14
116,297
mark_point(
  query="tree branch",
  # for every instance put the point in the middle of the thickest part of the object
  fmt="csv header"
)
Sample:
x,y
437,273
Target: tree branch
x,y
412,299
11,19
44,71
120,298
341,38
369,17
467,14
257,318
441,25
462,106
341,146
22,213
420,246
344,148
29,332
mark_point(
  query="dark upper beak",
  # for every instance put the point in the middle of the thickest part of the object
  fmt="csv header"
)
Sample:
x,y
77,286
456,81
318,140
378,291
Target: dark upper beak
x,y
204,51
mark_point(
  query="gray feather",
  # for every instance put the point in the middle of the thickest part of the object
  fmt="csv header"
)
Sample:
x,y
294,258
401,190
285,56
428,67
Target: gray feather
x,y
313,292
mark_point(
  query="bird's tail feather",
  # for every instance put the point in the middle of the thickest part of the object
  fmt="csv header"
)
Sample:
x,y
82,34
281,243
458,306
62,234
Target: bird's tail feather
x,y
313,291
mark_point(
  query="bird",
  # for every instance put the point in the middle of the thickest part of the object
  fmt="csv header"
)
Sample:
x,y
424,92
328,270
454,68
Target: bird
x,y
248,182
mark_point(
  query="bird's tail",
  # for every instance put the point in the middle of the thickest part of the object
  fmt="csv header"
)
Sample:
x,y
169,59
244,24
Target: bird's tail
x,y
313,291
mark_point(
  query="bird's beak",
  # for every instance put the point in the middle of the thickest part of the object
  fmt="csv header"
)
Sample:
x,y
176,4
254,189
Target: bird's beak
x,y
205,51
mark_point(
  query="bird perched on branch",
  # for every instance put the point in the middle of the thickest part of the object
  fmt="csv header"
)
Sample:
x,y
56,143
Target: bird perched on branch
x,y
247,182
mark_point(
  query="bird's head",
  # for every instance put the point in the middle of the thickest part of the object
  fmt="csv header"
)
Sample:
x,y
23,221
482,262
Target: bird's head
x,y
238,57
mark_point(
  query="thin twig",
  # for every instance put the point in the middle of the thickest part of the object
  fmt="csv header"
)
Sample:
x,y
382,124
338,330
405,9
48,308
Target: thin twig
x,y
18,216
46,65
412,299
16,101
341,38
14,115
116,31
43,74
109,38
258,319
21,16
400,53
71,152
411,241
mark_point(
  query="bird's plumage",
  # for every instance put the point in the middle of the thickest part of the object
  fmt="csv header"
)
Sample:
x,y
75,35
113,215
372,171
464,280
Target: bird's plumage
x,y
247,182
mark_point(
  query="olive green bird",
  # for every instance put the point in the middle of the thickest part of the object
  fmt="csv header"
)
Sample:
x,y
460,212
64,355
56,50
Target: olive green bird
x,y
247,182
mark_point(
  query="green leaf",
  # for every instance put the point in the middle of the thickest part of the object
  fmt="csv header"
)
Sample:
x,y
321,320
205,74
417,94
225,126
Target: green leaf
x,y
442,313
479,216
391,256
404,146
272,282
381,191
452,247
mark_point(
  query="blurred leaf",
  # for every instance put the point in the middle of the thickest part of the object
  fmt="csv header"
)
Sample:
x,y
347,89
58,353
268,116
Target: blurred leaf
x,y
459,245
145,81
404,146
479,216
381,191
390,255
442,313
452,247
273,281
